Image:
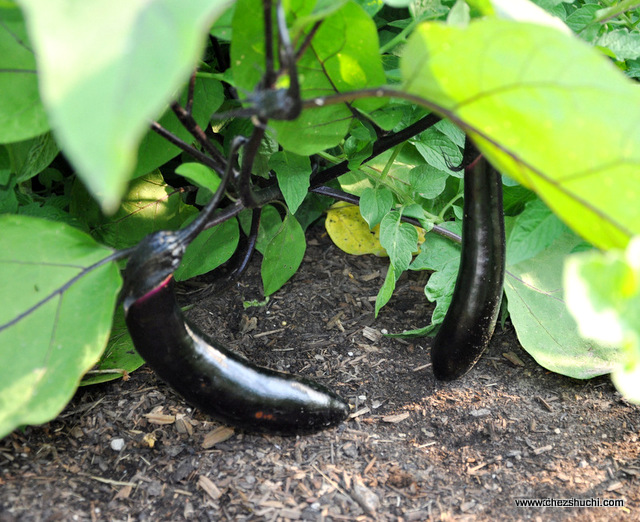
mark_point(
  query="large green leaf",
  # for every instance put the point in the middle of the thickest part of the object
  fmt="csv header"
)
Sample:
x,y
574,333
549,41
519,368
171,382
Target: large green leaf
x,y
58,297
22,115
343,56
149,205
106,67
603,294
542,320
546,109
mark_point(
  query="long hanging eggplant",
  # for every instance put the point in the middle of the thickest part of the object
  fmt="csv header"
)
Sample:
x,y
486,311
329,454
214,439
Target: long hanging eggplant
x,y
206,373
471,319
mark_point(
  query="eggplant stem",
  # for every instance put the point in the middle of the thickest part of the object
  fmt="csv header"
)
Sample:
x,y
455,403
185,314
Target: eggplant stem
x,y
191,231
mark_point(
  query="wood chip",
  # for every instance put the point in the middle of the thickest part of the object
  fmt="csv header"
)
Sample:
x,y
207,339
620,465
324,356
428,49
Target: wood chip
x,y
160,418
360,412
367,499
513,358
371,333
474,469
396,418
615,486
369,466
270,332
370,277
543,449
220,434
544,403
123,493
183,425
209,487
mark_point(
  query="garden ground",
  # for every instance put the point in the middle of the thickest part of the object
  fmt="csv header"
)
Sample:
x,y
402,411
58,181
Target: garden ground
x,y
413,448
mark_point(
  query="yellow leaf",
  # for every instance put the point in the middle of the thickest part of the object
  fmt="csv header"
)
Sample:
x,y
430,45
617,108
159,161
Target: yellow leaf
x,y
350,232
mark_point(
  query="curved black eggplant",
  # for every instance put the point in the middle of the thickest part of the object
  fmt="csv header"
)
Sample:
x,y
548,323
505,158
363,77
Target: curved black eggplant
x,y
210,376
471,319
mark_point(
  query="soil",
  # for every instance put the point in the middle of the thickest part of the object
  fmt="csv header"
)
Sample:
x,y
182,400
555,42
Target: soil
x,y
413,448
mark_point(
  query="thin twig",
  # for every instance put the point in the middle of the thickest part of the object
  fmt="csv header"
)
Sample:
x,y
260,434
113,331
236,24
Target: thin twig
x,y
196,131
250,152
192,151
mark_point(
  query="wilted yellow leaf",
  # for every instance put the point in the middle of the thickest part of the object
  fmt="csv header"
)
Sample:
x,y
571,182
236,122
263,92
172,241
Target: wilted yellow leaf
x,y
350,232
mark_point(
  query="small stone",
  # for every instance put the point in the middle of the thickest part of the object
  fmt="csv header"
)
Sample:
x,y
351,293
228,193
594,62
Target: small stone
x,y
117,444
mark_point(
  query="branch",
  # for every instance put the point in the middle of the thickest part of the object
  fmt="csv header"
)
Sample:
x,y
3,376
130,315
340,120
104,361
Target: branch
x,y
382,145
192,151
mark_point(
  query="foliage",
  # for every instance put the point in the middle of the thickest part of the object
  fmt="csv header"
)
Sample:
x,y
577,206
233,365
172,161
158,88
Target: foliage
x,y
80,170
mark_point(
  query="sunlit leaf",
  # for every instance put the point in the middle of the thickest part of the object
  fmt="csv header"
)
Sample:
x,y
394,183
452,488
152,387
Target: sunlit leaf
x,y
105,68
343,56
148,205
546,109
603,295
58,298
22,115
542,320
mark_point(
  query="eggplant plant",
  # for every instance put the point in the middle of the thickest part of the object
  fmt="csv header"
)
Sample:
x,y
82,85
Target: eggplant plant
x,y
246,122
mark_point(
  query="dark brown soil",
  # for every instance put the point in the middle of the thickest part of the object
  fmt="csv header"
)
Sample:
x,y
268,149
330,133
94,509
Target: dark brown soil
x,y
414,449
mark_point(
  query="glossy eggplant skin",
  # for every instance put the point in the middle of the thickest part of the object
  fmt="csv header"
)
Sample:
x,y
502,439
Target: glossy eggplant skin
x,y
216,380
471,319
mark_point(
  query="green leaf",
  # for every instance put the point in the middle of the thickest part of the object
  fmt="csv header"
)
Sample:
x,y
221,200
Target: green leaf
x,y
535,120
399,239
437,252
107,67
119,356
343,56
375,204
32,156
624,44
386,290
534,230
22,115
438,150
149,205
270,224
293,173
283,255
542,321
209,250
603,295
200,175
58,297
428,182
527,11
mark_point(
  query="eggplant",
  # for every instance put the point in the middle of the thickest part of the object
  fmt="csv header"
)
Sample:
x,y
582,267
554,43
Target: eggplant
x,y
207,374
472,315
